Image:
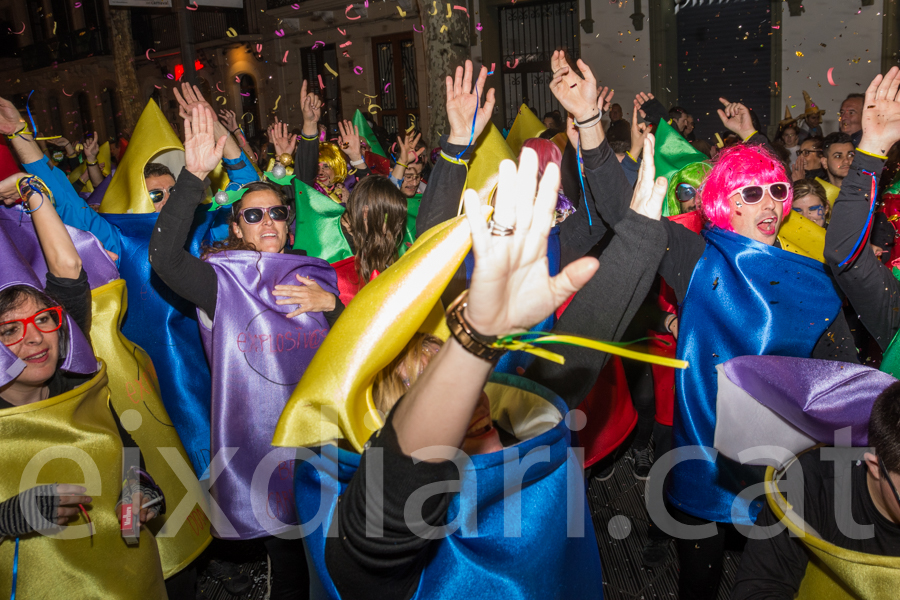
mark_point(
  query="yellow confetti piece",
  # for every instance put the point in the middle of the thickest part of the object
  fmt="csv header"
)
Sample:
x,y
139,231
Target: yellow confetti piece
x,y
54,27
372,106
413,126
330,70
401,11
449,10
230,32
222,98
434,6
800,54
276,103
443,28
245,114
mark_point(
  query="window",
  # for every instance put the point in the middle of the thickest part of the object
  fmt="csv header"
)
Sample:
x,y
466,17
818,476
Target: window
x,y
312,63
84,108
110,112
249,118
397,82
528,37
36,18
56,126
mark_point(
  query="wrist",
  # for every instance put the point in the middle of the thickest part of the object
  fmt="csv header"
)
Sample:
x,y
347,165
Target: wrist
x,y
746,134
873,147
457,140
586,116
467,335
310,130
201,175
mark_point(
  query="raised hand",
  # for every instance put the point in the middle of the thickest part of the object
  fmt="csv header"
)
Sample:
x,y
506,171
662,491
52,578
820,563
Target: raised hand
x,y
578,94
736,117
202,152
10,120
308,296
640,99
189,97
639,133
349,140
407,153
649,191
91,148
284,141
511,286
798,171
228,118
463,102
881,114
604,98
9,195
311,106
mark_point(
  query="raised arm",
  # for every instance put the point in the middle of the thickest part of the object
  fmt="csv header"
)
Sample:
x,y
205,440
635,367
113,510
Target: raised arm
x,y
187,275
872,290
91,150
448,178
306,159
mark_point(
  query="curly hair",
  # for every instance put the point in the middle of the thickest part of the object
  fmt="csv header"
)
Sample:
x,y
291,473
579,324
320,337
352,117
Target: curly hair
x,y
332,156
735,167
376,213
233,242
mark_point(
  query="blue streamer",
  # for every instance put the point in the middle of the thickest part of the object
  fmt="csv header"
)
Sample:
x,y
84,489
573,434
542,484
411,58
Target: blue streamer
x,y
474,118
865,230
15,577
31,118
581,179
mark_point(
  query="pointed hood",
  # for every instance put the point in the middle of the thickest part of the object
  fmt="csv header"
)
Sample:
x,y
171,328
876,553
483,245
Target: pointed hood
x,y
811,108
153,141
484,167
526,126
673,156
317,226
334,398
366,132
788,119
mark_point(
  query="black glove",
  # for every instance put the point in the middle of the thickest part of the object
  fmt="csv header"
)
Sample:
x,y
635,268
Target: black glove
x,y
20,513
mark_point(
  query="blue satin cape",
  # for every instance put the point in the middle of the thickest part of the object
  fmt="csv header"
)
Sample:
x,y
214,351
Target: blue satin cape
x,y
744,298
165,325
477,564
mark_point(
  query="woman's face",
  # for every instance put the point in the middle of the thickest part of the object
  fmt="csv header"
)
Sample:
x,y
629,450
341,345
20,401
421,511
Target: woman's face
x,y
266,235
38,350
790,137
811,207
482,436
325,176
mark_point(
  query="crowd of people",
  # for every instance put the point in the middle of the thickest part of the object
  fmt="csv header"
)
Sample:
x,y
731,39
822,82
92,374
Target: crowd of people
x,y
391,369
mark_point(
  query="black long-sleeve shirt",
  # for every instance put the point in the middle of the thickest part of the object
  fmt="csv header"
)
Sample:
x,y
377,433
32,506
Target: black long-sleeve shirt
x,y
870,286
188,276
772,569
389,567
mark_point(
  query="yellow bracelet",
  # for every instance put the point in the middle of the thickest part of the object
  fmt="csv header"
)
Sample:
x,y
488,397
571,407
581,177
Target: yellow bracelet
x,y
751,135
453,159
628,152
308,139
871,154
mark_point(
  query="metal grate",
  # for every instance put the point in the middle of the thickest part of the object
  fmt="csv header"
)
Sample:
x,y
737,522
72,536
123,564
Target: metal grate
x,y
528,37
398,86
312,63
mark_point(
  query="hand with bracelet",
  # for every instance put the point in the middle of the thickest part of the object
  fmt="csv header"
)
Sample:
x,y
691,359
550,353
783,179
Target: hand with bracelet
x,y
406,154
581,97
511,291
349,142
16,188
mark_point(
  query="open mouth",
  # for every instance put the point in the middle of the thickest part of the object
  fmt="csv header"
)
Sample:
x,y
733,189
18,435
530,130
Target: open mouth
x,y
768,226
481,427
268,235
38,358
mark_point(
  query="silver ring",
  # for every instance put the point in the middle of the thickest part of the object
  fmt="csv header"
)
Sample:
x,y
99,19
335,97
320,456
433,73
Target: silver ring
x,y
500,230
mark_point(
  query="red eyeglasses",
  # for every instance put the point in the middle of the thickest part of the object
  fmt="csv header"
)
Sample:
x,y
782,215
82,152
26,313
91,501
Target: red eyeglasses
x,y
46,321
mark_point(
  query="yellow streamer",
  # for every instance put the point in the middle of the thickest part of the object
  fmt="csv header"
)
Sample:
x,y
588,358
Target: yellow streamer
x,y
592,344
330,70
443,28
230,32
413,125
222,98
371,106
449,10
401,11
276,103
434,6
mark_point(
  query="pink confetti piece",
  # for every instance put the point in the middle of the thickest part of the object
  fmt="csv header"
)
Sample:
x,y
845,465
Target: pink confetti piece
x,y
147,53
321,83
237,79
513,66
776,26
170,76
67,94
284,60
358,70
295,6
346,54
309,32
18,32
386,87
462,8
347,14
418,30
367,3
491,72
218,84
342,32
157,87
345,44
245,94
78,5
259,48
279,32
194,8
478,27
830,77
318,44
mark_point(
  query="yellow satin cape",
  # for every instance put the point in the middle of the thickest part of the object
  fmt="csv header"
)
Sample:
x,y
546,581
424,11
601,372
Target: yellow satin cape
x,y
153,141
133,387
72,429
833,572
801,236
527,125
831,190
334,398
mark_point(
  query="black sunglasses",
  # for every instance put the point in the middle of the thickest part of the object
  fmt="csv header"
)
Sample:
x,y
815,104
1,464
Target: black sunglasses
x,y
252,216
156,196
685,192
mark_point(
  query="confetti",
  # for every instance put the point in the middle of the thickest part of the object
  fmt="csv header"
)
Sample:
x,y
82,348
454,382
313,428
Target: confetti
x,y
218,84
64,92
342,32
54,27
259,48
284,60
194,8
18,32
346,54
347,14
443,28
491,72
220,99
514,65
372,106
279,32
345,44
237,79
358,70
245,94
448,10
276,101
295,6
799,54
413,125
830,77
478,27
318,44
78,5
147,53
434,6
321,83
330,70
245,114
156,86
462,8
230,32
417,30
401,11
386,87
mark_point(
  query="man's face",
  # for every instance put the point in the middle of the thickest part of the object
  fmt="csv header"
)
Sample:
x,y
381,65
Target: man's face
x,y
838,158
615,112
548,123
759,221
813,119
160,186
411,179
689,125
851,115
811,152
681,122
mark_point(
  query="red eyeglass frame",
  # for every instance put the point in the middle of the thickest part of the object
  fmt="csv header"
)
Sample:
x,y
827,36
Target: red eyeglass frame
x,y
30,321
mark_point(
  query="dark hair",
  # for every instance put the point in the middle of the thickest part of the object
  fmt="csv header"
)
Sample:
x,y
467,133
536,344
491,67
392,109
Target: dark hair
x,y
376,211
854,95
233,242
676,111
157,170
15,295
838,137
557,118
884,427
818,141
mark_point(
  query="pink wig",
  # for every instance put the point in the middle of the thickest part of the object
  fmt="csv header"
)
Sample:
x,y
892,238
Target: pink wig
x,y
547,152
735,167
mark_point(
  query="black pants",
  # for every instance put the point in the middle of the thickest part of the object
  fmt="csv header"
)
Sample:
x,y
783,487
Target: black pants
x,y
289,571
701,560
640,383
182,585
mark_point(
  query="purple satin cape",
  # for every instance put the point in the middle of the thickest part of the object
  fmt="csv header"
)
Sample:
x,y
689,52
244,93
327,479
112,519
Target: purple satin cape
x,y
23,264
257,356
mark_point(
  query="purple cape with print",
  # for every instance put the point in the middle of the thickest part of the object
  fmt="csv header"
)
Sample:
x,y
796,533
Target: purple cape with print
x,y
256,355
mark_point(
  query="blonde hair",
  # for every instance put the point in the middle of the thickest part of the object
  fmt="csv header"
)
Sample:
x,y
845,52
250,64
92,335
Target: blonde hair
x,y
389,384
332,156
805,187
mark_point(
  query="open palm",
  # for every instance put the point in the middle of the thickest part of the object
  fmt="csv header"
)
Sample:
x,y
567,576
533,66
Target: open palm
x,y
464,104
881,113
202,152
577,94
